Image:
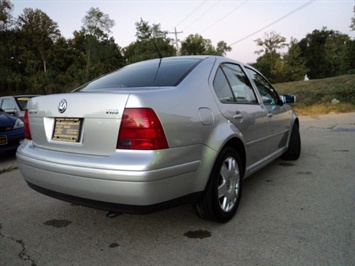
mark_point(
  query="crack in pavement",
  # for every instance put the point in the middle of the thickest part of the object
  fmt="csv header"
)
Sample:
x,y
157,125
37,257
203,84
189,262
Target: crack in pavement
x,y
23,254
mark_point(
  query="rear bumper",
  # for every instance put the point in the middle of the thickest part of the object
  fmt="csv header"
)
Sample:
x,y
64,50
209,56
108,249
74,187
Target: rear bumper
x,y
78,177
120,208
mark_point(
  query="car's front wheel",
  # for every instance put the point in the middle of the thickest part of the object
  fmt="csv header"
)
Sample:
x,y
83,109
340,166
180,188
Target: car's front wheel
x,y
222,195
294,146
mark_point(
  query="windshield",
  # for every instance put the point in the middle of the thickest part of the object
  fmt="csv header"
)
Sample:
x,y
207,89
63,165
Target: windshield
x,y
157,72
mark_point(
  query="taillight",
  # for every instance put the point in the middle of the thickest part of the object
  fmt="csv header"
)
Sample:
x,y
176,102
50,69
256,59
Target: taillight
x,y
27,126
141,130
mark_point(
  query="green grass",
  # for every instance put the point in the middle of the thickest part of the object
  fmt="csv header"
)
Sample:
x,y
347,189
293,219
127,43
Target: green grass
x,y
315,96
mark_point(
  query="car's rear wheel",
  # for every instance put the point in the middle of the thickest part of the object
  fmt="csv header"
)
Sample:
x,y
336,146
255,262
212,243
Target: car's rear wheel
x,y
294,147
221,198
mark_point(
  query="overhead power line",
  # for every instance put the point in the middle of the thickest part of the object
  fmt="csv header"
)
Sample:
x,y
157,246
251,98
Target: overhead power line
x,y
193,11
226,15
202,14
276,21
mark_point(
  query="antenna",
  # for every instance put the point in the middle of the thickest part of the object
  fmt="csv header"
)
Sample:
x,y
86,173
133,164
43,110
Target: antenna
x,y
157,49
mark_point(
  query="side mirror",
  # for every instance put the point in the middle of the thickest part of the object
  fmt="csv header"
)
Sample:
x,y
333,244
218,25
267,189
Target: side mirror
x,y
288,98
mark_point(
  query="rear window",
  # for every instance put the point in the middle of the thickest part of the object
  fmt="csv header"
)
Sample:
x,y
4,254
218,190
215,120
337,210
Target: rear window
x,y
158,72
22,102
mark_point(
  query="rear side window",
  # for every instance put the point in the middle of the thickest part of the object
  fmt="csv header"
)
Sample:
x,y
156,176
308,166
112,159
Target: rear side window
x,y
232,85
222,88
158,72
7,104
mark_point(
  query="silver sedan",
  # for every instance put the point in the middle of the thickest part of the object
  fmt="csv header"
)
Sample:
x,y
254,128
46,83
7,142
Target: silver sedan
x,y
159,133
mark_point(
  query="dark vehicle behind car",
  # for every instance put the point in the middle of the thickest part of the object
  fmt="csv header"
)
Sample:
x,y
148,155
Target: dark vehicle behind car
x,y
15,105
11,132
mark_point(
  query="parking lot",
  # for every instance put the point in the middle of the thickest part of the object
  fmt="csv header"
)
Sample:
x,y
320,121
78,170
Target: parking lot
x,y
291,213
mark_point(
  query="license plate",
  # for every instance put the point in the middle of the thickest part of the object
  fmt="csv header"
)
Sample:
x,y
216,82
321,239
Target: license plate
x,y
67,129
3,140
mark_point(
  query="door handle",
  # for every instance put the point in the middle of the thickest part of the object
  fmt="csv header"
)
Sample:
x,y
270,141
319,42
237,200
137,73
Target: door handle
x,y
238,115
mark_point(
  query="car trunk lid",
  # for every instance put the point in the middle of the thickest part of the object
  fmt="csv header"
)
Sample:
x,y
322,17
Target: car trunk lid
x,y
83,123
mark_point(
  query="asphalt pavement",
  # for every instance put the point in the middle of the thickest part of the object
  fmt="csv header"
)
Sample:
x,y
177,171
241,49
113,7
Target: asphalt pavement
x,y
291,213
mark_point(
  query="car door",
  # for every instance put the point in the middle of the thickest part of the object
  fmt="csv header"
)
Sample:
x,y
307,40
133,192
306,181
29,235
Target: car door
x,y
279,116
238,103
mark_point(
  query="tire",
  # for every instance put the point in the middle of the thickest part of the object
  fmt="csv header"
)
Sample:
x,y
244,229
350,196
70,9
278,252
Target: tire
x,y
222,195
294,147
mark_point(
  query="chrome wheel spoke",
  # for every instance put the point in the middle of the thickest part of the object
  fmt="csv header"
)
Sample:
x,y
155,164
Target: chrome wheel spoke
x,y
228,187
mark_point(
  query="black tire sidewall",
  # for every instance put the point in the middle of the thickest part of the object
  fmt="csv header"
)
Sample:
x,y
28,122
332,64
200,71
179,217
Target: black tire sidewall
x,y
294,148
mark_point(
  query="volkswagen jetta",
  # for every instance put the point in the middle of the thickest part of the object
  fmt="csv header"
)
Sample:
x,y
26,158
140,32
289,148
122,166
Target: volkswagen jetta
x,y
159,133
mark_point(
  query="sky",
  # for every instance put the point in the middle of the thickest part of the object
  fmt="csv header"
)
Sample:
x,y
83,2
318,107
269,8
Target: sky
x,y
237,22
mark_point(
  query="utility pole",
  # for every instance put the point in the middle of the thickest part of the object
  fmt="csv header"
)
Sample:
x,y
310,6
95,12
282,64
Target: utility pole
x,y
176,40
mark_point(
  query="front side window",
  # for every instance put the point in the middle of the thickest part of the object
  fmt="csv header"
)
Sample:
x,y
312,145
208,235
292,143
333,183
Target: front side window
x,y
232,85
267,92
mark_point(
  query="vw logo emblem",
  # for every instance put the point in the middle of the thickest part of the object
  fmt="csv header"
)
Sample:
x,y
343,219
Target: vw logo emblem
x,y
62,106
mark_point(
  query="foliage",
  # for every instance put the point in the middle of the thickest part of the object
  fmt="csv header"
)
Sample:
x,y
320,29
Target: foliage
x,y
151,43
295,64
98,48
195,44
269,63
6,19
321,54
40,31
352,26
222,48
326,53
36,59
271,43
97,24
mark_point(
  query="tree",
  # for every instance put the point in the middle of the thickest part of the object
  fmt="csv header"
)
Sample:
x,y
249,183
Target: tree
x,y
6,45
270,62
352,26
39,31
64,59
295,63
98,46
267,63
327,53
272,42
270,45
146,32
349,57
223,48
312,48
152,42
97,24
336,55
195,44
6,20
